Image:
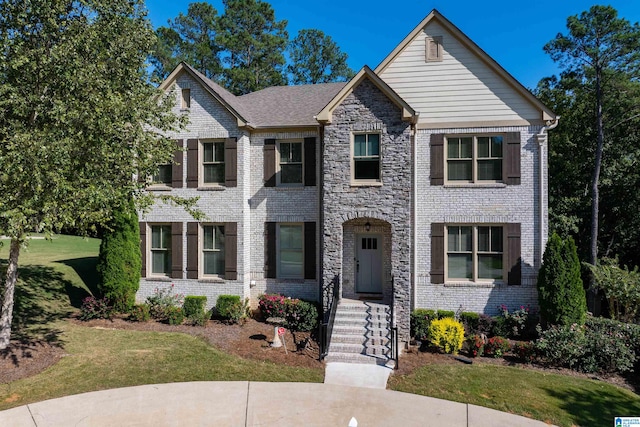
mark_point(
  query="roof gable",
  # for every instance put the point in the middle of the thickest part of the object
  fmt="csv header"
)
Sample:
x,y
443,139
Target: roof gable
x,y
437,18
326,114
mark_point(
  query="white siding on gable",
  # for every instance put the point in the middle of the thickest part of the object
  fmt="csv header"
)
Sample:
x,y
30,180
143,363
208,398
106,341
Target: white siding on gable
x,y
460,88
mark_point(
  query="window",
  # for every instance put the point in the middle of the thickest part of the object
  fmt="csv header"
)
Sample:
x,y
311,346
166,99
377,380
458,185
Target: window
x,y
290,162
213,250
366,157
474,158
475,253
213,162
163,176
185,100
290,251
161,250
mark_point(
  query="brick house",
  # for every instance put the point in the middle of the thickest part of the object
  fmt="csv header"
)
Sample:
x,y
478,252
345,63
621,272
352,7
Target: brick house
x,y
420,184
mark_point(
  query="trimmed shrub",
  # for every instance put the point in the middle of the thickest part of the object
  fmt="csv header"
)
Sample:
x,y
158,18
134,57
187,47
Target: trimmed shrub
x,y
95,308
162,301
119,260
447,334
470,322
272,305
231,308
476,345
496,347
420,320
609,346
560,290
194,305
561,345
301,315
175,316
445,313
140,313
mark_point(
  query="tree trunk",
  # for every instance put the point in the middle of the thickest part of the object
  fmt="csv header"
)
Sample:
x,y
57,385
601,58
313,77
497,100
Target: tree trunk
x,y
9,290
593,299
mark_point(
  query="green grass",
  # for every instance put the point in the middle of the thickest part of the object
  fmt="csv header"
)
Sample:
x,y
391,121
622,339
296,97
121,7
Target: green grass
x,y
99,359
559,399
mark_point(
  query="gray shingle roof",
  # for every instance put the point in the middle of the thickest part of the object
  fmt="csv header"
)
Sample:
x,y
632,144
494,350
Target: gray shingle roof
x,y
282,106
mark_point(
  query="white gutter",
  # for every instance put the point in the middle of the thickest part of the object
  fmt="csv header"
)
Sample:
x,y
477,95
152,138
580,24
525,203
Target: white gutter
x,y
543,139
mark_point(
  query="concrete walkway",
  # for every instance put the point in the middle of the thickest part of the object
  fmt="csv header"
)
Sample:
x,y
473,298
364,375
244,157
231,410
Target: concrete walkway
x,y
356,375
254,404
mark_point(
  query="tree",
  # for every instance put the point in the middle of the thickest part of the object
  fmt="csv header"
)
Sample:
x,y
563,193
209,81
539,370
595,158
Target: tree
x,y
78,119
189,38
560,291
316,58
254,44
119,261
598,47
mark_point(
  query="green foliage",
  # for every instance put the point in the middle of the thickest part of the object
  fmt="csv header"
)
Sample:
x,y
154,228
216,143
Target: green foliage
x,y
119,260
140,313
621,287
496,346
525,351
95,308
518,324
560,291
272,305
162,302
470,321
175,316
446,334
254,44
475,344
316,58
231,308
301,315
189,38
194,305
420,320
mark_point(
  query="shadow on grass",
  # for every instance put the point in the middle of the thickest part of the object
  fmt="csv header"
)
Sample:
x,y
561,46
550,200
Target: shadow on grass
x,y
596,408
86,269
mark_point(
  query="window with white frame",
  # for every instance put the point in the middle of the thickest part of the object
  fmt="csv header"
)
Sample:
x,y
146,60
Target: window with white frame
x,y
475,252
290,163
213,250
290,251
212,162
163,176
474,158
160,250
366,157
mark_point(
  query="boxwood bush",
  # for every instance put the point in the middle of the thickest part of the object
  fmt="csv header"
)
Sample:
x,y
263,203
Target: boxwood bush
x,y
231,308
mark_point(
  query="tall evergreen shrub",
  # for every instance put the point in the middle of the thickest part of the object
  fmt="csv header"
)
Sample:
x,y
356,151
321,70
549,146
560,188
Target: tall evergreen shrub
x,y
560,290
119,260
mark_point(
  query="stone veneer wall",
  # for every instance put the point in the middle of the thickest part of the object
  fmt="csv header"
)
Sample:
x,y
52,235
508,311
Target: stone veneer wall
x,y
475,204
368,109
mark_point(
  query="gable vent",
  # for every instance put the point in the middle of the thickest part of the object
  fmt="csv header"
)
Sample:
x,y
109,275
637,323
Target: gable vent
x,y
433,47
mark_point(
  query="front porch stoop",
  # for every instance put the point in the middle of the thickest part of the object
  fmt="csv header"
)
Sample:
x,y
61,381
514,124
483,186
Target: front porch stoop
x,y
361,334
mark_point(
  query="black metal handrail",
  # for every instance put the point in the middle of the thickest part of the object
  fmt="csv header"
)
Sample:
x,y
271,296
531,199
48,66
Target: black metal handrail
x,y
330,294
395,354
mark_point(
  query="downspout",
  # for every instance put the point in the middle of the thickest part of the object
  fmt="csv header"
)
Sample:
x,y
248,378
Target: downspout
x,y
543,139
414,209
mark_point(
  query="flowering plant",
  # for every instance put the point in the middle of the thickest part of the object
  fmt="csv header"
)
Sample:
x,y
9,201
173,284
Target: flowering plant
x,y
163,301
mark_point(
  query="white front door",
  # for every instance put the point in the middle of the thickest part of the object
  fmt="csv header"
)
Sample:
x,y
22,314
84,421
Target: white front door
x,y
369,263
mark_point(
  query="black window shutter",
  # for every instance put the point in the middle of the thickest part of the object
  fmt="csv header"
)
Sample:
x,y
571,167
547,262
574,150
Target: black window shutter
x,y
310,162
193,255
270,255
176,250
437,253
231,162
514,260
512,158
437,159
176,167
192,163
269,162
309,250
143,248
231,250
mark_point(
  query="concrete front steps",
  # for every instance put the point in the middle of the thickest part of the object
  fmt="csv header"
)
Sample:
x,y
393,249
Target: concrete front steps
x,y
361,333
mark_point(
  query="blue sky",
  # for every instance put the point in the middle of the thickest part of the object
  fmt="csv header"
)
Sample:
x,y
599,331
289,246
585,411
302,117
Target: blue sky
x,y
512,32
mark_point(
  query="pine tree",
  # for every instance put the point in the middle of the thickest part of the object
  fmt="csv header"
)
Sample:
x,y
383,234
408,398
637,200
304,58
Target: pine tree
x,y
119,261
560,290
